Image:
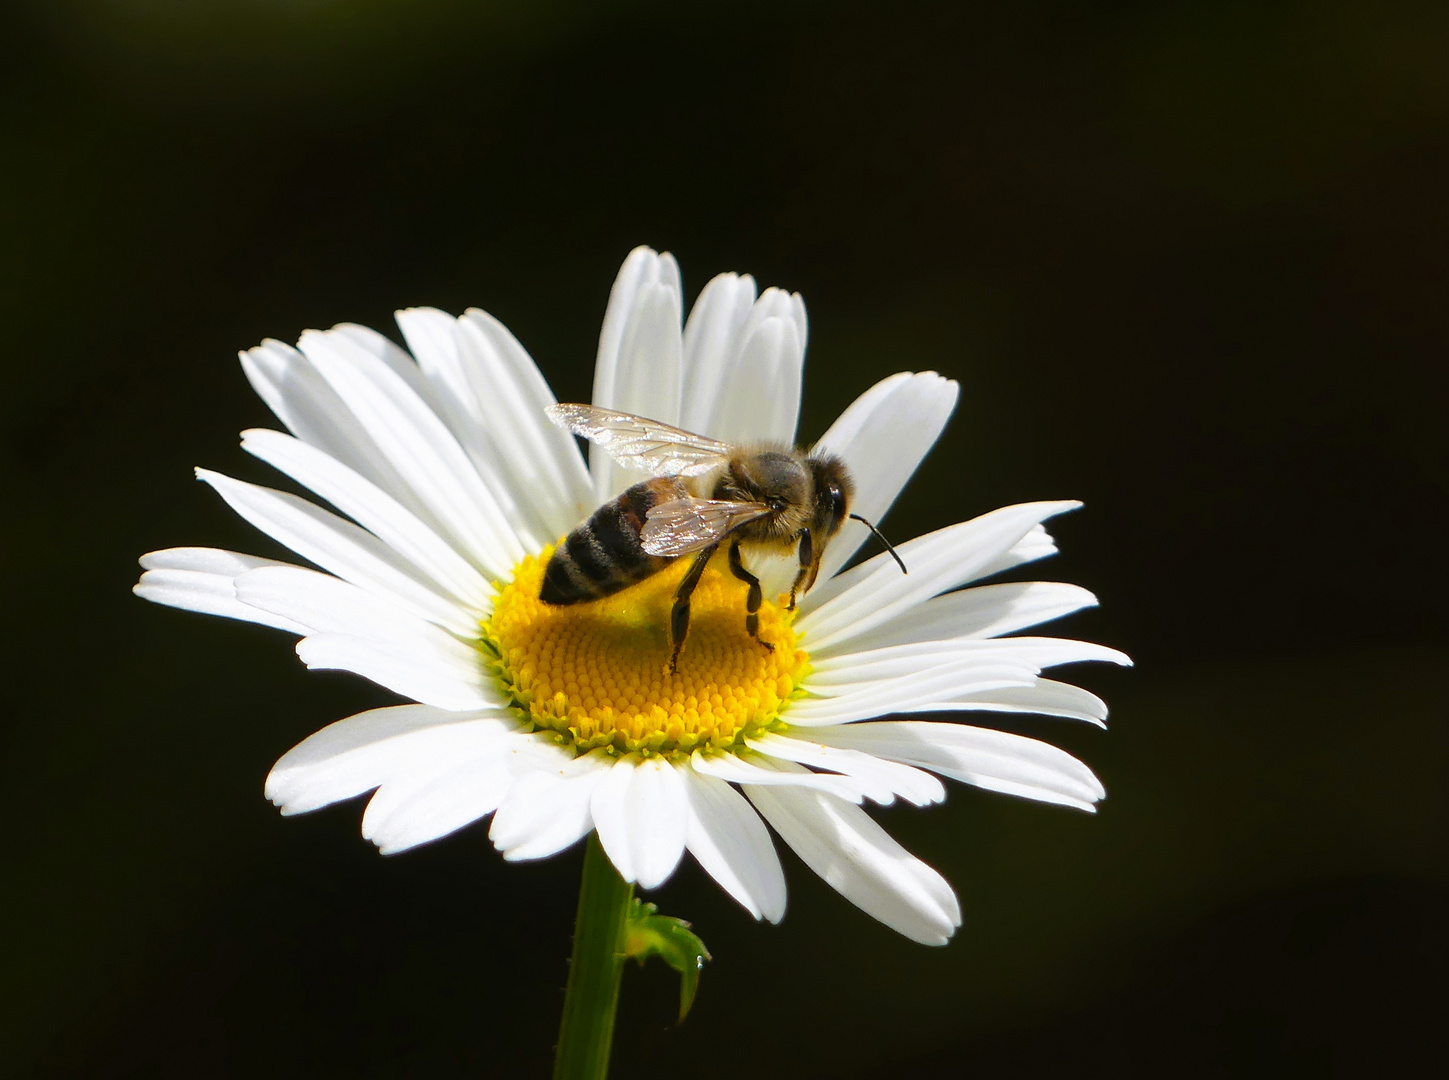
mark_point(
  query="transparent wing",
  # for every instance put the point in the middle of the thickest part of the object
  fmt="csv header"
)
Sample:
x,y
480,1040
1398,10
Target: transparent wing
x,y
684,525
637,443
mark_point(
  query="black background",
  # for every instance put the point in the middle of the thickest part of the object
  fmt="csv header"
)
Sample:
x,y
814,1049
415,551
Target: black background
x,y
1188,262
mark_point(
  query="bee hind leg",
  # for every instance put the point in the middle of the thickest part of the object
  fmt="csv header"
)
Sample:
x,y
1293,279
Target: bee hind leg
x,y
755,598
679,614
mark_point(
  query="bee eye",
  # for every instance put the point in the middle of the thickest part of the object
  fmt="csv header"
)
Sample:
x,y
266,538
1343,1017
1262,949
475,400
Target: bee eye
x,y
837,503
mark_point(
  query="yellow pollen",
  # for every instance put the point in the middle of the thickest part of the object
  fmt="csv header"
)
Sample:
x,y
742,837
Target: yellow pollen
x,y
596,672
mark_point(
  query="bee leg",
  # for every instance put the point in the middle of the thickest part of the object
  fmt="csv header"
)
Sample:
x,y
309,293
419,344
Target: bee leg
x,y
679,614
752,602
806,554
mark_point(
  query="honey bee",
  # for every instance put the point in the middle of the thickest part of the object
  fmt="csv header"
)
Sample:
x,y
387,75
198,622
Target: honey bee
x,y
704,492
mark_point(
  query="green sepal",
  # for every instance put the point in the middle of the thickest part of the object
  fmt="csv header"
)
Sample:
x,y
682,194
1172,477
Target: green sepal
x,y
648,933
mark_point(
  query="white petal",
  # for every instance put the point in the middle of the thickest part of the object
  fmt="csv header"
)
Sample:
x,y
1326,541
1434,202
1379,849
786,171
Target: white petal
x,y
851,672
876,592
710,345
658,819
374,510
424,805
201,579
985,611
857,693
401,364
437,381
311,410
200,560
548,810
1044,696
995,760
880,779
648,380
642,267
428,805
542,459
737,769
641,354
431,336
1037,544
770,353
357,754
858,859
493,399
873,698
775,570
797,313
730,841
882,438
428,677
641,813
610,809
899,661
452,397
1045,652
327,604
422,450
339,546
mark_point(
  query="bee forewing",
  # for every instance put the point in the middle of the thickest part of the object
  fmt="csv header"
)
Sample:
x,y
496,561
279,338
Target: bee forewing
x,y
684,525
639,443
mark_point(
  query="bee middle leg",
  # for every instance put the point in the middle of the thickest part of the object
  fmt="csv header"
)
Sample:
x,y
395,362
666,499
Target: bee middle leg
x,y
753,600
679,614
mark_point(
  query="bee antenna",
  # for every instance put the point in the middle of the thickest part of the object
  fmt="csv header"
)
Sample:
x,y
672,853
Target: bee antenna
x,y
881,537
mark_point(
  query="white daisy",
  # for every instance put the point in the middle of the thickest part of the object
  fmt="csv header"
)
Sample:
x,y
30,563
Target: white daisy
x,y
559,720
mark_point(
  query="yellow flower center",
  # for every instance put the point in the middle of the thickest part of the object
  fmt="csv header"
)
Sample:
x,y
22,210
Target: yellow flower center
x,y
596,672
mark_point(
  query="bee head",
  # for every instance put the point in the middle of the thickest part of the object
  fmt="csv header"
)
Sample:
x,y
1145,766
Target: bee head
x,y
833,492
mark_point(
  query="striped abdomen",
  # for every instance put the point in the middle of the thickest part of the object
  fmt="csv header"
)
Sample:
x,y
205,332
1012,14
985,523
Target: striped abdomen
x,y
604,555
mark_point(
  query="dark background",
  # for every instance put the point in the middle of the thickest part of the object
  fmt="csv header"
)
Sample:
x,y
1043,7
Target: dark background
x,y
1188,262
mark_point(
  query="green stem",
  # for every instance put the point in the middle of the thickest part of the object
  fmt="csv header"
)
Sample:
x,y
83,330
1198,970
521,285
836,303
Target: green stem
x,y
587,1030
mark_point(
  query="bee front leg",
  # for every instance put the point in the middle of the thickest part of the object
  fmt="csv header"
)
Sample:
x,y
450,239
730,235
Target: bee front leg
x,y
679,614
806,555
755,598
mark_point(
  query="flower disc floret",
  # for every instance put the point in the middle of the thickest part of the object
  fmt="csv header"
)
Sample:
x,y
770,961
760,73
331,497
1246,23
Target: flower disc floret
x,y
595,672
